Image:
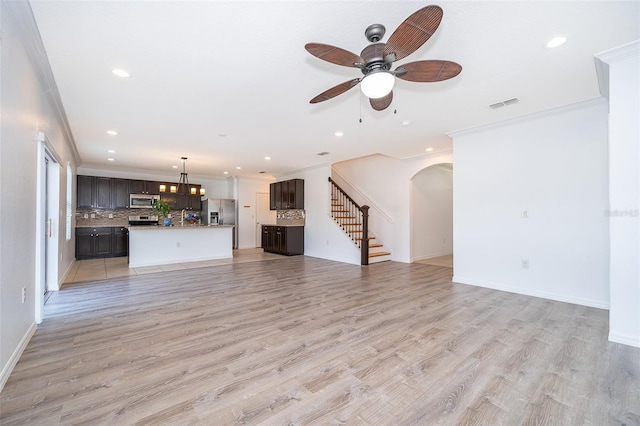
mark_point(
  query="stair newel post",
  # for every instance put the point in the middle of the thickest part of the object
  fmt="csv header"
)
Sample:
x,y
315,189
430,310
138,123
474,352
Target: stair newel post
x,y
364,249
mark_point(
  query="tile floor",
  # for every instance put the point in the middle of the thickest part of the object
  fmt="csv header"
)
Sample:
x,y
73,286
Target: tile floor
x,y
100,269
446,260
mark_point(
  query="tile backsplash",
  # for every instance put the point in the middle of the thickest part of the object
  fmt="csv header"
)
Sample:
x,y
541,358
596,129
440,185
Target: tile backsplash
x,y
290,217
115,217
101,217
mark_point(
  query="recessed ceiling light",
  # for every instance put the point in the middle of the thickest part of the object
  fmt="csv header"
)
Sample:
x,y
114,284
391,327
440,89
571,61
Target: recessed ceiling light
x,y
238,167
406,122
429,149
174,167
226,173
112,132
222,135
110,159
267,158
120,72
111,151
338,134
556,41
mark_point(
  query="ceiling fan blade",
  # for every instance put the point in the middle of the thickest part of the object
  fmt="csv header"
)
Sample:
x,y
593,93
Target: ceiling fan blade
x,y
333,54
428,71
413,32
381,103
335,91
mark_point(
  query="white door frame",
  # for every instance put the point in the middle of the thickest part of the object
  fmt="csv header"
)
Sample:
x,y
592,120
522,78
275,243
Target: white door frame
x,y
261,212
47,235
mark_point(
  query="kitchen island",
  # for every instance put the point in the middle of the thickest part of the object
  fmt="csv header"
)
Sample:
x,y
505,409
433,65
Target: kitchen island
x,y
162,245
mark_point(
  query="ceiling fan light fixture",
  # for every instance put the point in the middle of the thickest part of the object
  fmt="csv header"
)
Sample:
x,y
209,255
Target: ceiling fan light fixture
x,y
377,84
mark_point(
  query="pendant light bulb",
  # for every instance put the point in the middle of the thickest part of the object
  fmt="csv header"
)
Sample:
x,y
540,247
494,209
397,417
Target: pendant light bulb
x,y
377,84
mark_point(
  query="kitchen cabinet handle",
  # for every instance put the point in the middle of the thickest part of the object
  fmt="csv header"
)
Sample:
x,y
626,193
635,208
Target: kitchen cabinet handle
x,y
50,226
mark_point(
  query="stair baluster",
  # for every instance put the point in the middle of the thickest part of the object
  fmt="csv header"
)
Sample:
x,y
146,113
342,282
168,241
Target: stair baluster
x,y
352,218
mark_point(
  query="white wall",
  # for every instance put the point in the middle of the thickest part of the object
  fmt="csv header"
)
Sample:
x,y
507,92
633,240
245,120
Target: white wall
x,y
554,165
432,212
322,237
624,191
384,183
26,110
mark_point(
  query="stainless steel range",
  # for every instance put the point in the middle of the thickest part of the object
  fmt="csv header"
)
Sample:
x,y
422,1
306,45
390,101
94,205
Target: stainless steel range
x,y
143,220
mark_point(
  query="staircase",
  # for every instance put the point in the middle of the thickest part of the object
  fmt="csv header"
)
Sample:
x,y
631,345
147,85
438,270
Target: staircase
x,y
353,220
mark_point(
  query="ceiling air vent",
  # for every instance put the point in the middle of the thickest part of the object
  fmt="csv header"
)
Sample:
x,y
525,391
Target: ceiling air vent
x,y
323,153
504,103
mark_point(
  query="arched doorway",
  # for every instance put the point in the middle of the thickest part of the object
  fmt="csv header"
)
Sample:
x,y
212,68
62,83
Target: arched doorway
x,y
432,215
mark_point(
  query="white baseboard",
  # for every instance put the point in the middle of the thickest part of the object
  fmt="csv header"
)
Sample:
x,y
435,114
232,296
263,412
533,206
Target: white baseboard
x,y
66,273
532,292
625,339
15,356
431,256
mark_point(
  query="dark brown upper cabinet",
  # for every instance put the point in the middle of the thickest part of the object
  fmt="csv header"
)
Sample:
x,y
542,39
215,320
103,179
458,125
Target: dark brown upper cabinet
x,y
119,193
144,187
94,192
287,195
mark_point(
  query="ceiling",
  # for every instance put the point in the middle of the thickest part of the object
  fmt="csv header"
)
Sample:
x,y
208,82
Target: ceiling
x,y
228,83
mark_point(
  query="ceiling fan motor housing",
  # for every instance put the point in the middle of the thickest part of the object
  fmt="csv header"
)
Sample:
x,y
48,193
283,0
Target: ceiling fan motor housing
x,y
374,59
375,32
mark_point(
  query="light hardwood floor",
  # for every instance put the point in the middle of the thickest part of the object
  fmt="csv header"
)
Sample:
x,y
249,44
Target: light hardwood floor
x,y
302,340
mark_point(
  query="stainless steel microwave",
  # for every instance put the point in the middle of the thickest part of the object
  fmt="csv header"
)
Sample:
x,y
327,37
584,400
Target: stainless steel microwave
x,y
142,201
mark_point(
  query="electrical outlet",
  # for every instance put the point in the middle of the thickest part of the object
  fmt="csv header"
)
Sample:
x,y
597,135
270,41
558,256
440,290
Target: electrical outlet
x,y
524,213
110,215
24,294
93,215
85,216
178,244
525,264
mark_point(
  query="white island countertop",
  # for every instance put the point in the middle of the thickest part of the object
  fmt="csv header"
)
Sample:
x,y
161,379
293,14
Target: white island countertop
x,y
162,245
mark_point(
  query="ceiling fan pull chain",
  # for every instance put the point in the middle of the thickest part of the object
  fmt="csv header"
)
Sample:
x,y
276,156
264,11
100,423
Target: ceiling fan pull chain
x,y
360,105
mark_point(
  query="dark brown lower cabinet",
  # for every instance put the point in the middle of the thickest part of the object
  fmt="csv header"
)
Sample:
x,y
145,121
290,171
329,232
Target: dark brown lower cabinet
x,y
94,243
120,241
287,240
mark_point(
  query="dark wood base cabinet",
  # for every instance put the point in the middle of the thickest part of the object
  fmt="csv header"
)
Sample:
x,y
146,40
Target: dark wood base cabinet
x,y
95,243
288,240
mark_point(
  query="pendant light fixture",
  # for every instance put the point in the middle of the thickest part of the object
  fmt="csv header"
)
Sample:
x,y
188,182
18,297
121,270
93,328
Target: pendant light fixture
x,y
183,183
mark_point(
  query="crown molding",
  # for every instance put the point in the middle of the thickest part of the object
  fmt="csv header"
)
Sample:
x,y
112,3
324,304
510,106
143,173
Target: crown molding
x,y
27,31
604,59
532,116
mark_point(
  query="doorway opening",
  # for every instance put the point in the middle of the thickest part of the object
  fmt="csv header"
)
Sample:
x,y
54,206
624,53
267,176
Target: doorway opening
x,y
432,215
264,216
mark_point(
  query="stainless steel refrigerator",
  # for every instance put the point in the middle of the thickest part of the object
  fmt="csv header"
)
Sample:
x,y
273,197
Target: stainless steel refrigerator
x,y
219,211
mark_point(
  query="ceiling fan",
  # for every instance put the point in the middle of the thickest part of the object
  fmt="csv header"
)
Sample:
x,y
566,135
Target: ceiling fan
x,y
376,59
